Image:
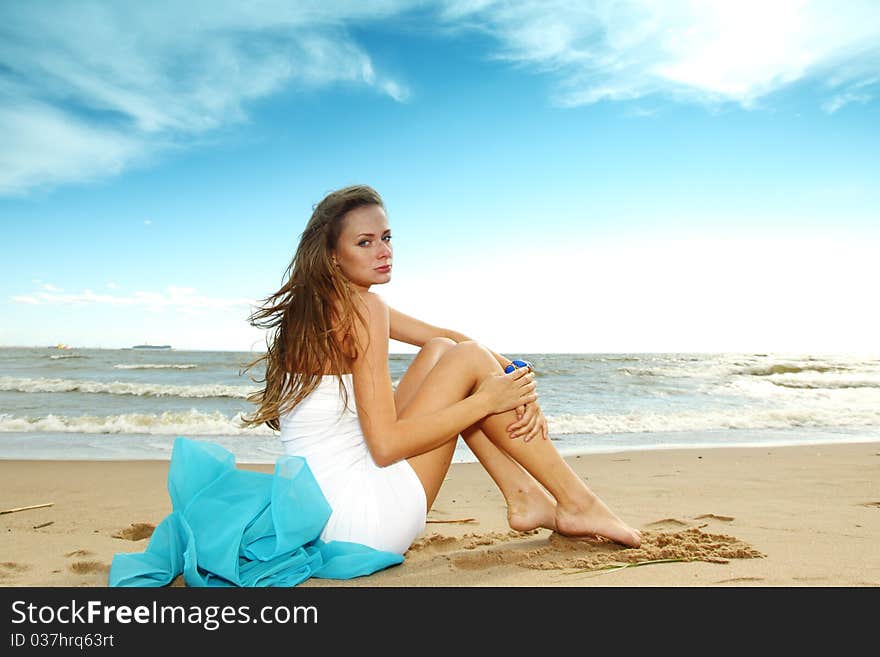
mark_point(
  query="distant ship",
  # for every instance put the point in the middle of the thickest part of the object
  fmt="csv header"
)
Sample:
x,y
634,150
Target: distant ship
x,y
152,346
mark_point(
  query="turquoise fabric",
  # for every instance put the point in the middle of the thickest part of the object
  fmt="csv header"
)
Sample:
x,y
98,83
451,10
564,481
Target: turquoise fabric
x,y
231,527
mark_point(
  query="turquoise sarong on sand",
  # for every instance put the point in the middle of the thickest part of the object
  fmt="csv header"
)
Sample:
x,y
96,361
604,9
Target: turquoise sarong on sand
x,y
231,527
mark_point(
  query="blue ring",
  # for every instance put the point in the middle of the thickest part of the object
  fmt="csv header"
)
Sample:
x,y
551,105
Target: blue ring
x,y
516,364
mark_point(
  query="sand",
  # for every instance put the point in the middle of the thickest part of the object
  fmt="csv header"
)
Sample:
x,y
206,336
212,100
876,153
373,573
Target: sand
x,y
759,516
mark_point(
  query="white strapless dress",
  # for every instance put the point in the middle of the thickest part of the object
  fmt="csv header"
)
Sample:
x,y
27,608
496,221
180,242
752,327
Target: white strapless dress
x,y
384,508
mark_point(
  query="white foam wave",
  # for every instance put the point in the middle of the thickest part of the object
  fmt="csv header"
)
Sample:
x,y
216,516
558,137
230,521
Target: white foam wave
x,y
60,356
826,380
725,366
191,422
636,372
215,423
155,366
786,368
12,384
781,418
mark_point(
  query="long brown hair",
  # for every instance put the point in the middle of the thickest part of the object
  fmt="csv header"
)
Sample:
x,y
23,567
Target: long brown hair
x,y
315,306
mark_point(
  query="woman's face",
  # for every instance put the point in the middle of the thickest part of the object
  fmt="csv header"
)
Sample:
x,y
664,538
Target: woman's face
x,y
363,251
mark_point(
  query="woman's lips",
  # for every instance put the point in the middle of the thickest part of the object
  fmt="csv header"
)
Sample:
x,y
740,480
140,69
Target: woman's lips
x,y
385,269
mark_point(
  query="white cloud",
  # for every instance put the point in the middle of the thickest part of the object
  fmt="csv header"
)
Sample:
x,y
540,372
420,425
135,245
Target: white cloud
x,y
840,100
92,88
711,51
147,222
112,285
51,288
184,299
25,299
395,90
643,113
46,146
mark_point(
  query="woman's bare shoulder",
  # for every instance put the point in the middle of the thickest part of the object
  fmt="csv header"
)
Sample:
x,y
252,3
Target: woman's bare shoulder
x,y
375,305
365,301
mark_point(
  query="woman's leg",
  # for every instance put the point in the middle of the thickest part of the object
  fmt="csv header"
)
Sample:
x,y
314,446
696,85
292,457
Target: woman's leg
x,y
528,504
579,512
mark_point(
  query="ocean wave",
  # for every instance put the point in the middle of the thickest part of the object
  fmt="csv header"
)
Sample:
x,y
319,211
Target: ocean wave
x,y
787,368
60,356
826,381
11,384
215,423
782,418
191,422
154,366
629,372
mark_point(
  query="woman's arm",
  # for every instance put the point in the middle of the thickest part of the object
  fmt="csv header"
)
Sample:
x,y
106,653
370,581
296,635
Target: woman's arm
x,y
416,332
390,438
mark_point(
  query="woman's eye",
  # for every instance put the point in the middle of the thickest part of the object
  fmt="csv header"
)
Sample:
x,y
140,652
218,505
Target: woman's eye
x,y
387,238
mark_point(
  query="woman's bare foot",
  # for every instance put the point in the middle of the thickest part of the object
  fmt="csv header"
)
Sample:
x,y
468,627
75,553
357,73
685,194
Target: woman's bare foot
x,y
527,510
593,518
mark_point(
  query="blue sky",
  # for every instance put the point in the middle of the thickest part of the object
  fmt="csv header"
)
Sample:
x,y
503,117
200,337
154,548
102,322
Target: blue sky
x,y
568,177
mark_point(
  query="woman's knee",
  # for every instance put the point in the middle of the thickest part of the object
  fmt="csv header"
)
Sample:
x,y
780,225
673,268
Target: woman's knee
x,y
437,346
473,354
430,353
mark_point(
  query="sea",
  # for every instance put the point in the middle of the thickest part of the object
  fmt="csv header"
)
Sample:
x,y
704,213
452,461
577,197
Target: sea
x,y
119,404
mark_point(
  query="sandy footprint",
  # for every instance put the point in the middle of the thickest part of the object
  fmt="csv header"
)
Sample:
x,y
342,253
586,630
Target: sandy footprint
x,y
565,554
89,567
667,523
715,516
696,545
137,531
474,541
438,543
527,555
488,558
79,553
681,543
431,545
9,569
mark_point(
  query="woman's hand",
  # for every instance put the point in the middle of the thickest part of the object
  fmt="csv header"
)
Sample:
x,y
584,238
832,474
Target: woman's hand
x,y
504,392
530,424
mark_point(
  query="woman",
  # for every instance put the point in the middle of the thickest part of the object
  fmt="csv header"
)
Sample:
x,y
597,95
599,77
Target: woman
x,y
380,461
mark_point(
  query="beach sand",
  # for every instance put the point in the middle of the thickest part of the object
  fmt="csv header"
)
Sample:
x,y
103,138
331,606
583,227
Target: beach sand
x,y
758,516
